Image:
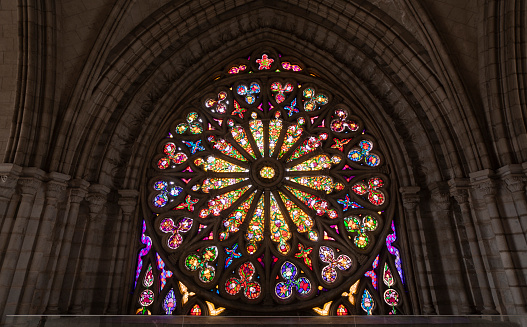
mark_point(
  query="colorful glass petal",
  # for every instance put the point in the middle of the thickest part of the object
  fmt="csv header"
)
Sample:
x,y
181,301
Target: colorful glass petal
x,y
236,218
279,229
256,226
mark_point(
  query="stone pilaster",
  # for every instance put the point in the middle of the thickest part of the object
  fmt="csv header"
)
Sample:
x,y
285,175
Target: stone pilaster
x,y
411,200
77,193
55,193
87,261
127,202
9,175
448,251
28,185
474,263
497,250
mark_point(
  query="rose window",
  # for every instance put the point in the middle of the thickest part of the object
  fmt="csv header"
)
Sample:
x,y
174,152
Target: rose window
x,y
269,196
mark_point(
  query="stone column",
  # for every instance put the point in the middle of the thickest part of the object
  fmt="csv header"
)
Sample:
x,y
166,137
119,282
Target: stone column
x,y
9,174
78,190
87,262
410,196
473,260
29,185
448,254
55,191
514,179
127,201
497,250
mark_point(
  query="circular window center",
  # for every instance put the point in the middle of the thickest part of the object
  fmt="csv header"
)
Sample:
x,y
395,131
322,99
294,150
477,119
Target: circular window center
x,y
267,172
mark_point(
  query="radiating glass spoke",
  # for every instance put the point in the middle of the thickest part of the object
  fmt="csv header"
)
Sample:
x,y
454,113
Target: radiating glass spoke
x,y
219,183
227,149
309,145
275,126
222,202
292,135
256,227
319,162
236,218
257,131
321,183
279,229
219,165
314,202
240,136
300,218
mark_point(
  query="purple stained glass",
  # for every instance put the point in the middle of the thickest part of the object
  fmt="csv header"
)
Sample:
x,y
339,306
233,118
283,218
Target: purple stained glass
x,y
146,240
371,273
169,304
394,251
164,273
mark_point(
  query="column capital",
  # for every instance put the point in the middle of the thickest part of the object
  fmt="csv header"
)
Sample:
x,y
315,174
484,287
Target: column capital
x,y
97,197
459,189
483,182
513,177
128,200
440,195
9,174
78,190
410,196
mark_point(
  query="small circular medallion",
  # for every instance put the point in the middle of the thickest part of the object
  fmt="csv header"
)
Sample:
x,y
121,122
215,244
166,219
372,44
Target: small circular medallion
x,y
267,172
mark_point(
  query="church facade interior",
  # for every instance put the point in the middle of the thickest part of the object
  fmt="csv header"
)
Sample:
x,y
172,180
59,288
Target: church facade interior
x,y
276,158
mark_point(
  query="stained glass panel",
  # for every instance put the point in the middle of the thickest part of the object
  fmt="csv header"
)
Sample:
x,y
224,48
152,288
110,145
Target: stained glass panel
x,y
270,197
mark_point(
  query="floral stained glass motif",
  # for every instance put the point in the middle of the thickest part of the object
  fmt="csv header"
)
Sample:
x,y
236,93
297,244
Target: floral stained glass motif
x,y
251,288
363,153
192,125
281,91
360,226
201,263
313,100
172,158
375,196
268,180
176,239
367,304
219,104
161,199
169,304
329,272
285,289
250,92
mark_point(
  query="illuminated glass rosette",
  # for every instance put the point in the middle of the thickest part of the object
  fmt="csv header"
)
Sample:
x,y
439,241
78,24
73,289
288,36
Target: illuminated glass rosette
x,y
266,187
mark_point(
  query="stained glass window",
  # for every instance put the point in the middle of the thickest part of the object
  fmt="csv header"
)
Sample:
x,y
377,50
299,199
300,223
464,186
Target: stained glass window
x,y
269,195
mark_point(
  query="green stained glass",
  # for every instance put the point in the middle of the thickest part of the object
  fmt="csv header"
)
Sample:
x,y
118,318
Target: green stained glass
x,y
321,183
256,127
236,218
222,202
227,149
279,229
241,137
309,145
354,224
292,135
275,126
219,183
218,165
314,202
300,218
256,226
